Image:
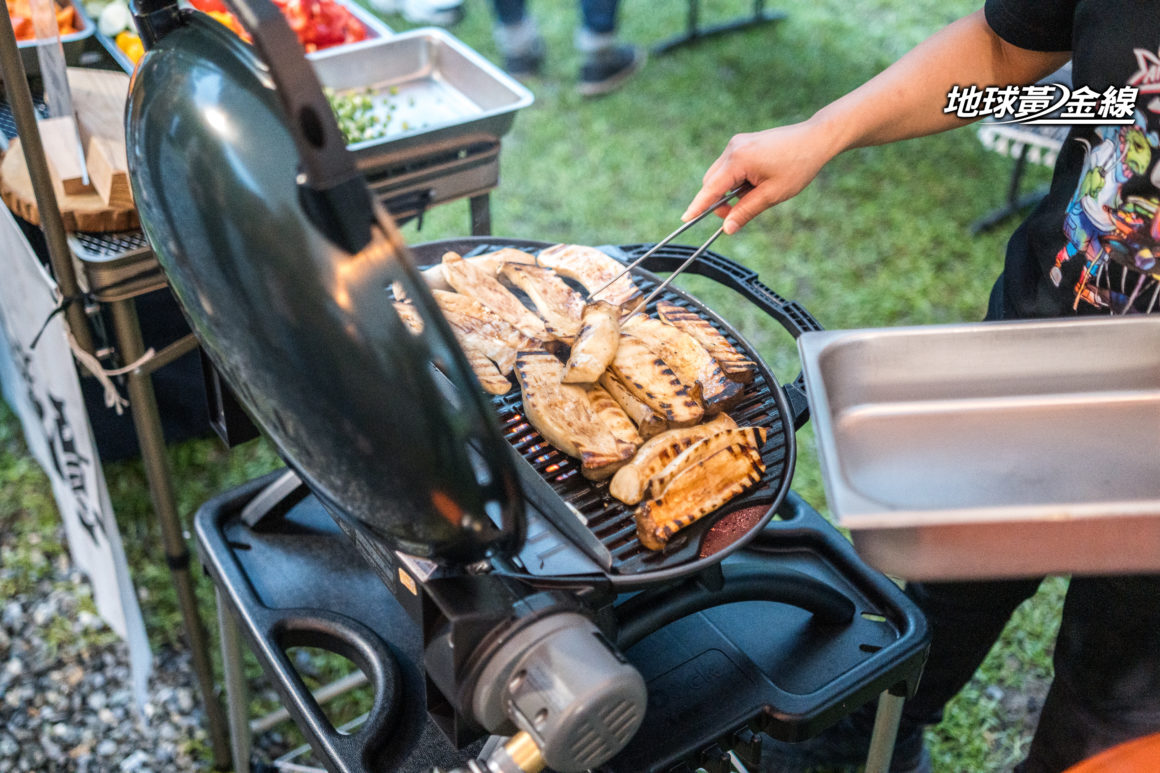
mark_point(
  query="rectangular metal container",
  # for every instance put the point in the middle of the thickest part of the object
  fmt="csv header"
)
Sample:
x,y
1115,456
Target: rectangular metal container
x,y
438,89
376,28
991,450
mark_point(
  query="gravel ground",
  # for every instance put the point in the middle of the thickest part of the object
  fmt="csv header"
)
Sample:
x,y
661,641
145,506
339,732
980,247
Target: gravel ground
x,y
67,698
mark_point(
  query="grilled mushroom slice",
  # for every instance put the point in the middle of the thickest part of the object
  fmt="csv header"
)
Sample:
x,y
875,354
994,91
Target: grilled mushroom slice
x,y
631,481
696,491
692,363
735,365
647,422
654,383
596,344
470,279
489,262
613,416
474,346
495,337
558,304
565,416
703,449
593,269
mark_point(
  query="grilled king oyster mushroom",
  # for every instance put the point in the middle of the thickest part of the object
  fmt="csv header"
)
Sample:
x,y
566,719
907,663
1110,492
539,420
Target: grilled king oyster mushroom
x,y
630,482
565,416
647,422
488,261
557,304
595,346
614,417
697,490
703,449
497,338
694,366
470,279
735,365
489,375
654,383
593,269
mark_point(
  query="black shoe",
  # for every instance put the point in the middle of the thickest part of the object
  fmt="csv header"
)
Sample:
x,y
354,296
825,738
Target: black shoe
x,y
608,69
844,747
528,63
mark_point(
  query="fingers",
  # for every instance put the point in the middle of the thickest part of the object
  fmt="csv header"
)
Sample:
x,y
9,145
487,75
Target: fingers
x,y
713,187
747,207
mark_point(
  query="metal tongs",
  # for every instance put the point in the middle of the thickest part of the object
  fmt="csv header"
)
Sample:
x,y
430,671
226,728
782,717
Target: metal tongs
x,y
739,191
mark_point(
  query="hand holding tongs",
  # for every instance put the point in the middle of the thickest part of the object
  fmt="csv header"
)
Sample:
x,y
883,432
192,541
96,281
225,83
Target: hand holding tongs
x,y
740,190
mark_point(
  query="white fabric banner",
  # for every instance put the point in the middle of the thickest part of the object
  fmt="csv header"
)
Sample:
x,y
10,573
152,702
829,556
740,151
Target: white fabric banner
x,y
42,387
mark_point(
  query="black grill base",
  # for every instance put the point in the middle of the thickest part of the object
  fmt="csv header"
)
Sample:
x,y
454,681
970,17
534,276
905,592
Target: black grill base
x,y
712,676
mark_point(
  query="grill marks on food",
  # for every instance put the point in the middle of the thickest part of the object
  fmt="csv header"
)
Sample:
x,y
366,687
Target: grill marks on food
x,y
596,344
565,415
697,489
653,382
692,363
734,364
469,279
648,423
557,304
592,269
631,481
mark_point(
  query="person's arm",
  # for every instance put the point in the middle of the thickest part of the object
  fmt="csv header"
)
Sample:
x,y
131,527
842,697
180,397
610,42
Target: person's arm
x,y
906,100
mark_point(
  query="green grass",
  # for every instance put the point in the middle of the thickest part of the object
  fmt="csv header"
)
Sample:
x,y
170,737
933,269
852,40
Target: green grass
x,y
879,239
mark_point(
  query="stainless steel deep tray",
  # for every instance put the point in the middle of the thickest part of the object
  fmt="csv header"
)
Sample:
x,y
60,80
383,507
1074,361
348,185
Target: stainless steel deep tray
x,y
996,449
434,88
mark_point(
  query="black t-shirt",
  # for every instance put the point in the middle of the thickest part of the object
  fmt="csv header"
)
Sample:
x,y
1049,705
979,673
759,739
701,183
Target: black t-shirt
x,y
1092,244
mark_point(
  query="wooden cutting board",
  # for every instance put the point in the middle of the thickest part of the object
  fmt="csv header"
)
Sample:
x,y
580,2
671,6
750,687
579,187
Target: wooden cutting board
x,y
79,211
99,101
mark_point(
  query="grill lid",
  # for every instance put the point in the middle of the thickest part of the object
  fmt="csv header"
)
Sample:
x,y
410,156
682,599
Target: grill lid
x,y
280,260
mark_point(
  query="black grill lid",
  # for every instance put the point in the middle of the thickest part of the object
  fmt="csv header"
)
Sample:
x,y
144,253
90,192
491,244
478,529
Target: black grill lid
x,y
280,260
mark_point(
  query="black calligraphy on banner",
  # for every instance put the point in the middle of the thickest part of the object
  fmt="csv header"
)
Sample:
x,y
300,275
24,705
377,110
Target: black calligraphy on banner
x,y
68,463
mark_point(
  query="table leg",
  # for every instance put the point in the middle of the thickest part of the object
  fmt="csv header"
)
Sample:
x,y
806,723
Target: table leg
x,y
154,455
481,215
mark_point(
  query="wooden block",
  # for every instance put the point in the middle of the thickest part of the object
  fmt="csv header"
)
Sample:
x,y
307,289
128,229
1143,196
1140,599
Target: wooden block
x,y
85,212
98,98
63,151
108,171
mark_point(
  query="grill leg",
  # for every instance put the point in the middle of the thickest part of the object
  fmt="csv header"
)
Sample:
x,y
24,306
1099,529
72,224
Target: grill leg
x,y
237,694
884,733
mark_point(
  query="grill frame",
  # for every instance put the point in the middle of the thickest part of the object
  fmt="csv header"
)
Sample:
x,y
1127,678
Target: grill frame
x,y
623,562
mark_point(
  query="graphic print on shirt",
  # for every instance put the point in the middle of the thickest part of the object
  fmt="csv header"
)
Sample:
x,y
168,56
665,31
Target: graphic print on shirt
x,y
1112,224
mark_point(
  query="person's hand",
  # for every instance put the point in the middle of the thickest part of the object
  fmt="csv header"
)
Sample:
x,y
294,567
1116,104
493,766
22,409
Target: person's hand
x,y
778,162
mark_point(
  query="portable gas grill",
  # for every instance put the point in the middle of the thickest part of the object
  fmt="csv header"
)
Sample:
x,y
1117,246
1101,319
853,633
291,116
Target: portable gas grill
x,y
527,605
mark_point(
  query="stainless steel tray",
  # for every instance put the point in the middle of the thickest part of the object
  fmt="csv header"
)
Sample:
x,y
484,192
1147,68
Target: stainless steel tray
x,y
439,89
992,449
376,28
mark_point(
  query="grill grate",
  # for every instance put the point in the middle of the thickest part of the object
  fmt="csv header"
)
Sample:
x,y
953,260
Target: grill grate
x,y
612,521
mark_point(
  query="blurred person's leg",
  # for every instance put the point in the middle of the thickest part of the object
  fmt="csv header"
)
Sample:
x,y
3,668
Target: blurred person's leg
x,y
1107,672
608,63
518,37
